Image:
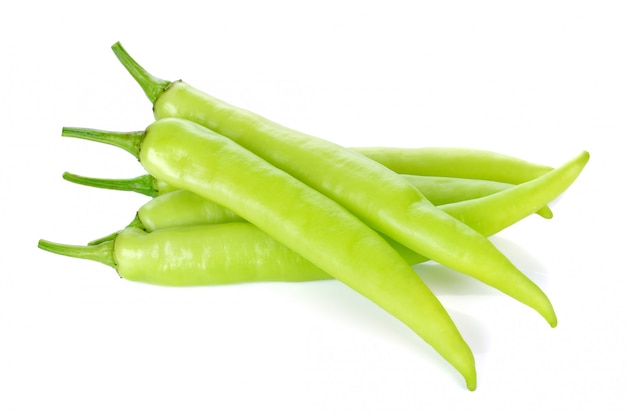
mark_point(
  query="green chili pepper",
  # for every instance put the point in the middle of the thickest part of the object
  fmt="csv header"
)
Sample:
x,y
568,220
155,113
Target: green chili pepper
x,y
175,209
189,208
436,181
438,190
196,159
456,162
182,208
235,252
240,252
372,192
495,212
446,190
224,253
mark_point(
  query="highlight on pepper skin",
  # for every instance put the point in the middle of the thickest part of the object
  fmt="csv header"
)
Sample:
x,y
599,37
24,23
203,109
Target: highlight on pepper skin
x,y
210,218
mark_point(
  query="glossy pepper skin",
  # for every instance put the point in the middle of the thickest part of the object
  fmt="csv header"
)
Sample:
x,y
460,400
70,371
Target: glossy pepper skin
x,y
442,175
438,190
372,192
447,190
197,256
194,158
180,206
235,252
456,162
176,207
240,252
488,215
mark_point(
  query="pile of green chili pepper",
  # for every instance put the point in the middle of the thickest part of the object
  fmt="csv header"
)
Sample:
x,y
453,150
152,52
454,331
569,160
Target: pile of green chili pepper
x,y
235,197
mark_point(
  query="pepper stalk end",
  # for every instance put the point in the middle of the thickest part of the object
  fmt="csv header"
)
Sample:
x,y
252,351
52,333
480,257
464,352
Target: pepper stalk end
x,y
102,253
143,184
152,86
129,141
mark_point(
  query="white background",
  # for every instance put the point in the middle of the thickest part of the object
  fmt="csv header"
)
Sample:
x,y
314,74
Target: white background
x,y
541,80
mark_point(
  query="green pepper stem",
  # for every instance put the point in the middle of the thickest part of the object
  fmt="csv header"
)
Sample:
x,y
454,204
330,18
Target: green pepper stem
x,y
102,253
143,184
129,141
152,86
135,223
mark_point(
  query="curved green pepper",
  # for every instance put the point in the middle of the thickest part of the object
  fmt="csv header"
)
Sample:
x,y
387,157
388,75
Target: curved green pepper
x,y
196,159
237,251
456,162
240,252
371,191
488,215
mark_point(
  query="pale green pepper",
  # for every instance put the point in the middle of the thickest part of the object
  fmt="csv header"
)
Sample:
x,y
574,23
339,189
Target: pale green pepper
x,y
194,158
375,194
